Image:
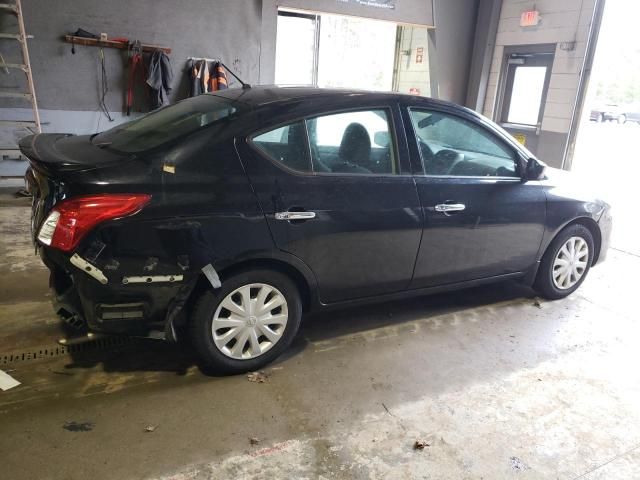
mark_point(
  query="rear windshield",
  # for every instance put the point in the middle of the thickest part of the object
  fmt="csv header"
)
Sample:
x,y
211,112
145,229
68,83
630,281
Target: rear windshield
x,y
168,123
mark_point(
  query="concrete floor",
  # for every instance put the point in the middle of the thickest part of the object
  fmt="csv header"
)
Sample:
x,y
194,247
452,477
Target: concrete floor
x,y
497,385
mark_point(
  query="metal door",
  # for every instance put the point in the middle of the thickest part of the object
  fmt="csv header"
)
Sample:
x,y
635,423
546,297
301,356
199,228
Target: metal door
x,y
476,224
358,233
523,91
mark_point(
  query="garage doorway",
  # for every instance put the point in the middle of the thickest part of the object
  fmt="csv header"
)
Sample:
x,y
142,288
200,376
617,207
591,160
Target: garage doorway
x,y
336,51
297,48
523,91
606,153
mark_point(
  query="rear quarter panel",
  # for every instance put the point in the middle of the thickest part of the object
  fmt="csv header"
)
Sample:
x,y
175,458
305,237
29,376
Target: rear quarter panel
x,y
202,211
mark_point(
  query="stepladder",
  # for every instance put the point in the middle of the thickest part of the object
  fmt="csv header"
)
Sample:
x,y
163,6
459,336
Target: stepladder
x,y
16,61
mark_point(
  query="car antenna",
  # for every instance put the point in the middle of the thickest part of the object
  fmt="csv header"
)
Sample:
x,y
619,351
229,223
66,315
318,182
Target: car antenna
x,y
245,86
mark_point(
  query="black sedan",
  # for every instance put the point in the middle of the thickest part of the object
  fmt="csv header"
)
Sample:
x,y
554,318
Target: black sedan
x,y
226,216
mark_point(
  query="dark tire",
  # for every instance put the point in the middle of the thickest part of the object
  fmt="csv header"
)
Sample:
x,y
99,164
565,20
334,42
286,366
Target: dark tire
x,y
207,305
545,284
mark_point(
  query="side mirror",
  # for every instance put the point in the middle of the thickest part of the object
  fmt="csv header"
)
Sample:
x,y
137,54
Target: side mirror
x,y
532,170
381,139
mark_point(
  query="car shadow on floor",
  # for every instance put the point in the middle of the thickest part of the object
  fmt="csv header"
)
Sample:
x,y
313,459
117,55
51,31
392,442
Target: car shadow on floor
x,y
144,355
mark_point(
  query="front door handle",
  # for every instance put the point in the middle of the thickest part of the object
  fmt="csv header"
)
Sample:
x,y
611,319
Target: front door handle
x,y
295,215
449,207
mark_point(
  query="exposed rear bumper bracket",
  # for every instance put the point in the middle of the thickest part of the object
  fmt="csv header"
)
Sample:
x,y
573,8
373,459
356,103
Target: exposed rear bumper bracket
x,y
153,279
89,269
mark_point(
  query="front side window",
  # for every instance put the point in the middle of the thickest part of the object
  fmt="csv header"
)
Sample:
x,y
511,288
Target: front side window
x,y
358,142
453,146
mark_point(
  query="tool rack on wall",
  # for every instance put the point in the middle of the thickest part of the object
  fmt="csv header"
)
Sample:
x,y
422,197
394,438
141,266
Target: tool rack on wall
x,y
95,42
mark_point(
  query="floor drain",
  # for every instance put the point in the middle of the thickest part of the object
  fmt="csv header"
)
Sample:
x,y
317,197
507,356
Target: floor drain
x,y
41,353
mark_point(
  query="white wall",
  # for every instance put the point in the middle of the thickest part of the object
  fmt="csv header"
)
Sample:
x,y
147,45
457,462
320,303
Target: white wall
x,y
562,21
412,74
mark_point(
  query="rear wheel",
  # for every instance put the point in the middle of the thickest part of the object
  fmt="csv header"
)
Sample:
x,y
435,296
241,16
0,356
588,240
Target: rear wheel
x,y
566,262
622,119
246,323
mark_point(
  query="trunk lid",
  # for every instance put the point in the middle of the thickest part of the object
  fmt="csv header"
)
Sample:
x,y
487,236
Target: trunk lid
x,y
55,153
55,161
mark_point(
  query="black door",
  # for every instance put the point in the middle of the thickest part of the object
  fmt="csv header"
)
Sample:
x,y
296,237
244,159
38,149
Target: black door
x,y
337,193
481,220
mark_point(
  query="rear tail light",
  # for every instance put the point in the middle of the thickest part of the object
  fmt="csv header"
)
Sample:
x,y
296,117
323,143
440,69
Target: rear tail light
x,y
72,219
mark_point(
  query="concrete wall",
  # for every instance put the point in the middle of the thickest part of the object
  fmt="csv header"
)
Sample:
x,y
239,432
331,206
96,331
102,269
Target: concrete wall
x,y
562,21
222,29
451,47
484,41
67,85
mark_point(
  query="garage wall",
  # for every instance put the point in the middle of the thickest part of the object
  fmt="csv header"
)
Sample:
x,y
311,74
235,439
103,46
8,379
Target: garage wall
x,y
451,48
567,66
241,32
67,85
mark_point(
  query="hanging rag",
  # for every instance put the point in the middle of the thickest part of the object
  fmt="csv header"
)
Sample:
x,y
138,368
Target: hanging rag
x,y
159,78
135,65
218,80
199,77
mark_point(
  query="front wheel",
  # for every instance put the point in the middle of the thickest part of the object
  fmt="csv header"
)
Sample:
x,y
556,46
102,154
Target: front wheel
x,y
566,262
246,323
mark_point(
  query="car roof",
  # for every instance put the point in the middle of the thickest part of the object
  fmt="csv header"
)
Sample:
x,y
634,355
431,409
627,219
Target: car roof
x,y
262,95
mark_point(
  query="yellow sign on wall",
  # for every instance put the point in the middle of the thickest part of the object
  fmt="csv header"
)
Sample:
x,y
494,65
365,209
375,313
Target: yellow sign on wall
x,y
522,139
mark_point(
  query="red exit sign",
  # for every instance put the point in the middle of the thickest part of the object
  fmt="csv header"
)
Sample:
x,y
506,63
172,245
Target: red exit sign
x,y
530,18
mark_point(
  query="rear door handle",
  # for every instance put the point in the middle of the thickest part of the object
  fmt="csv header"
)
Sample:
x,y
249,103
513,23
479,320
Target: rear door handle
x,y
295,215
449,207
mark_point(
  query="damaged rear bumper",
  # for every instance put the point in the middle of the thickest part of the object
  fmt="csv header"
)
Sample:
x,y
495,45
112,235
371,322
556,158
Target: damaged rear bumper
x,y
107,302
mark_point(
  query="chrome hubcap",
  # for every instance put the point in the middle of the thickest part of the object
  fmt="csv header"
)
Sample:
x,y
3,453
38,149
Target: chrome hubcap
x,y
570,263
249,321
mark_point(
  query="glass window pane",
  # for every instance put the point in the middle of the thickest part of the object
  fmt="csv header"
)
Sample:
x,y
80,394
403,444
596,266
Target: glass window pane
x,y
453,146
352,142
168,123
356,53
287,146
526,95
295,50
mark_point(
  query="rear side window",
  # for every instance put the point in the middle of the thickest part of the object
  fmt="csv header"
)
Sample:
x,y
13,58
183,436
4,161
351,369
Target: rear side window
x,y
166,124
454,146
286,145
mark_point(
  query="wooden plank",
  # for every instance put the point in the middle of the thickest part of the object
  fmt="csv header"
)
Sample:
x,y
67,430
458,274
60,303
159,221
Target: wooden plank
x,y
94,42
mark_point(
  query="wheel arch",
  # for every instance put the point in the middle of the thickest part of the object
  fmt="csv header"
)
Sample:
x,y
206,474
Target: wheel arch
x,y
588,223
305,284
